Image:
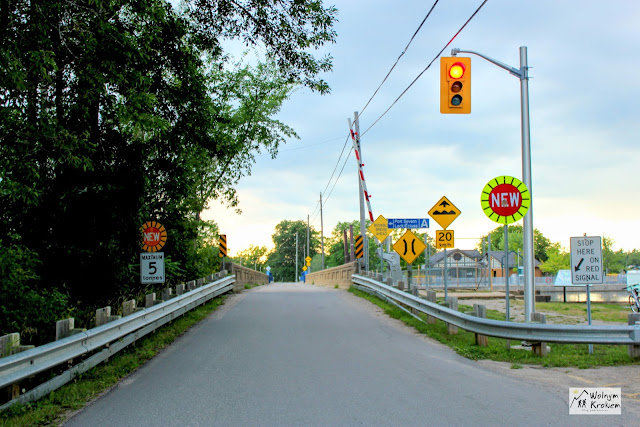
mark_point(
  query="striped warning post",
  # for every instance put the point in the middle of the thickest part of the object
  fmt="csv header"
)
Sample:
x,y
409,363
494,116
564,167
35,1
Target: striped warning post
x,y
360,173
223,245
359,246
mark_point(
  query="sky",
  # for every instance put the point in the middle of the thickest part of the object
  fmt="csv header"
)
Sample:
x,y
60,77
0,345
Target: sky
x,y
584,115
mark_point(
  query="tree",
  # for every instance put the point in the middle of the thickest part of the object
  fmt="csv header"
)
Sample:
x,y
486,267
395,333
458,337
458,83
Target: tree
x,y
612,262
253,257
516,239
114,112
557,259
283,258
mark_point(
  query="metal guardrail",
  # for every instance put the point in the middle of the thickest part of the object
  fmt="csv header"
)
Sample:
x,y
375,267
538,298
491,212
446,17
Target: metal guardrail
x,y
535,332
112,337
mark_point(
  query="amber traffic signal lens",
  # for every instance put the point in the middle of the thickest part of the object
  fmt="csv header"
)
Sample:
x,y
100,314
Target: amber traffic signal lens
x,y
456,87
457,70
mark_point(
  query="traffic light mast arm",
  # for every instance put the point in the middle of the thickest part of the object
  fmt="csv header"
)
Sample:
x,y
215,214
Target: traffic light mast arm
x,y
516,72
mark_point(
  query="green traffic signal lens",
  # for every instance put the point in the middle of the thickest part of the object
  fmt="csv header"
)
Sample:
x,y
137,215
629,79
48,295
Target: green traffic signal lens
x,y
456,100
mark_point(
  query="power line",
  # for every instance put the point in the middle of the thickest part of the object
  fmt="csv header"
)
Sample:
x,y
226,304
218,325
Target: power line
x,y
335,182
401,55
428,66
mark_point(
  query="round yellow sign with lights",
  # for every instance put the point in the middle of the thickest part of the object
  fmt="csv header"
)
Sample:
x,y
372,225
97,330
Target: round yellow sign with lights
x,y
154,236
505,199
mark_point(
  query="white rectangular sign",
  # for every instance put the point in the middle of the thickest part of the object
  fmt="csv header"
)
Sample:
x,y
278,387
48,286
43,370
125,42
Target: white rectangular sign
x,y
586,260
152,267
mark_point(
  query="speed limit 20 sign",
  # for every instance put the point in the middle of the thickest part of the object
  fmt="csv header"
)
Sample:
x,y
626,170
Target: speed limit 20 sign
x,y
152,267
444,239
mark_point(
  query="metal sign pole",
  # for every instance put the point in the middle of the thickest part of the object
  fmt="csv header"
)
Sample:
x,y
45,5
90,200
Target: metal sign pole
x,y
589,313
445,275
506,269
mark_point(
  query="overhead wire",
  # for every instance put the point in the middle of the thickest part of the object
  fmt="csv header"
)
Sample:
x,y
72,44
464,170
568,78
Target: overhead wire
x,y
428,66
401,55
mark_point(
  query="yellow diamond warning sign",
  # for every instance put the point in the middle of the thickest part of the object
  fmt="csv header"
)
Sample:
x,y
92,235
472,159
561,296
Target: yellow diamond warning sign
x,y
379,228
444,212
409,247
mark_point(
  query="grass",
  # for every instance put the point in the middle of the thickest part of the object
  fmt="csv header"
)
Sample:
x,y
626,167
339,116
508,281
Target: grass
x,y
599,311
52,410
561,355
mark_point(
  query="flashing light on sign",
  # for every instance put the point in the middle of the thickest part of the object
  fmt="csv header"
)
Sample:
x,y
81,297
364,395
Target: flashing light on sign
x,y
455,85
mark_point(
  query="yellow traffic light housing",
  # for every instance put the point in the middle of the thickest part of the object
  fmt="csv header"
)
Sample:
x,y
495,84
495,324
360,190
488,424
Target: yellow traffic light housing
x,y
455,85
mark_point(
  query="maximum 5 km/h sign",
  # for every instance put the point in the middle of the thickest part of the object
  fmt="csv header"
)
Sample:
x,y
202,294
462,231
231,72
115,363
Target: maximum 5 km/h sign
x,y
586,260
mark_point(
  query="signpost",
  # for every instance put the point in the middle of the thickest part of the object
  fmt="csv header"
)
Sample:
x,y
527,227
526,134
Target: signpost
x,y
505,200
444,213
586,266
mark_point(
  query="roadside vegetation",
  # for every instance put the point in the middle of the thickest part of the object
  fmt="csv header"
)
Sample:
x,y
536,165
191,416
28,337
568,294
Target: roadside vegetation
x,y
561,355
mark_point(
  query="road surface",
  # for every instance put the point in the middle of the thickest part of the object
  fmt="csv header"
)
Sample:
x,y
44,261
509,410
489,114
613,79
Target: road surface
x,y
296,354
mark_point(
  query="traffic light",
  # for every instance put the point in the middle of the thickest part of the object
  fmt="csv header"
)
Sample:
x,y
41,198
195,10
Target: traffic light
x,y
455,85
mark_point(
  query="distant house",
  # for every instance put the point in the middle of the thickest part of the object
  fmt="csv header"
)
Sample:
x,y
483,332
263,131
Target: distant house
x,y
466,264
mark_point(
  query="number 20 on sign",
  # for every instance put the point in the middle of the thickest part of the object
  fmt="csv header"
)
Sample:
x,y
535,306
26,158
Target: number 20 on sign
x,y
444,239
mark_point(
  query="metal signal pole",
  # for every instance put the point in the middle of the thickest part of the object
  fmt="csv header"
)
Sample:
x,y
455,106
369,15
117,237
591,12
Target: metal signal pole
x,y
308,268
529,265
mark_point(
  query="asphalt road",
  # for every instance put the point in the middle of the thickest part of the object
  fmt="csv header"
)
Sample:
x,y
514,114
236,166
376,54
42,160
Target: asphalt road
x,y
295,354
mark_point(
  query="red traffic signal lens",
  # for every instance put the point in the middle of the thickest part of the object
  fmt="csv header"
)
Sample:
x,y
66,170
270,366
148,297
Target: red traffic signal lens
x,y
457,70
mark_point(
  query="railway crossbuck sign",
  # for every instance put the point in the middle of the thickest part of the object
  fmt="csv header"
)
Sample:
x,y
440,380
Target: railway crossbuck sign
x,y
409,246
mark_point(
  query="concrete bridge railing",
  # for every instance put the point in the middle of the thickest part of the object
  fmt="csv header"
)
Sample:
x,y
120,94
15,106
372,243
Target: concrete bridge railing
x,y
245,276
340,276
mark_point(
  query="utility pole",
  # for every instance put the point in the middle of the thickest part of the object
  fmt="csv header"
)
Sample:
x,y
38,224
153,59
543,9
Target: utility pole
x,y
321,231
363,233
296,278
308,268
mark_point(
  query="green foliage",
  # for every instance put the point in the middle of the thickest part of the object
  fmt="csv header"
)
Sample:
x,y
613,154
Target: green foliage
x,y
515,234
612,262
557,259
114,113
254,257
23,307
283,258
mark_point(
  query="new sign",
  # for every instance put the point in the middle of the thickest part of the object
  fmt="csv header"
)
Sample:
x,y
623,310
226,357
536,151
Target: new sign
x,y
505,199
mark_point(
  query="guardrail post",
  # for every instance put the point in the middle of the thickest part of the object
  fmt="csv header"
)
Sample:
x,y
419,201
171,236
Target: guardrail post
x,y
167,294
480,311
400,285
539,348
431,297
150,300
200,282
66,327
191,285
10,344
414,292
180,289
102,315
634,350
128,307
379,278
453,305
389,281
